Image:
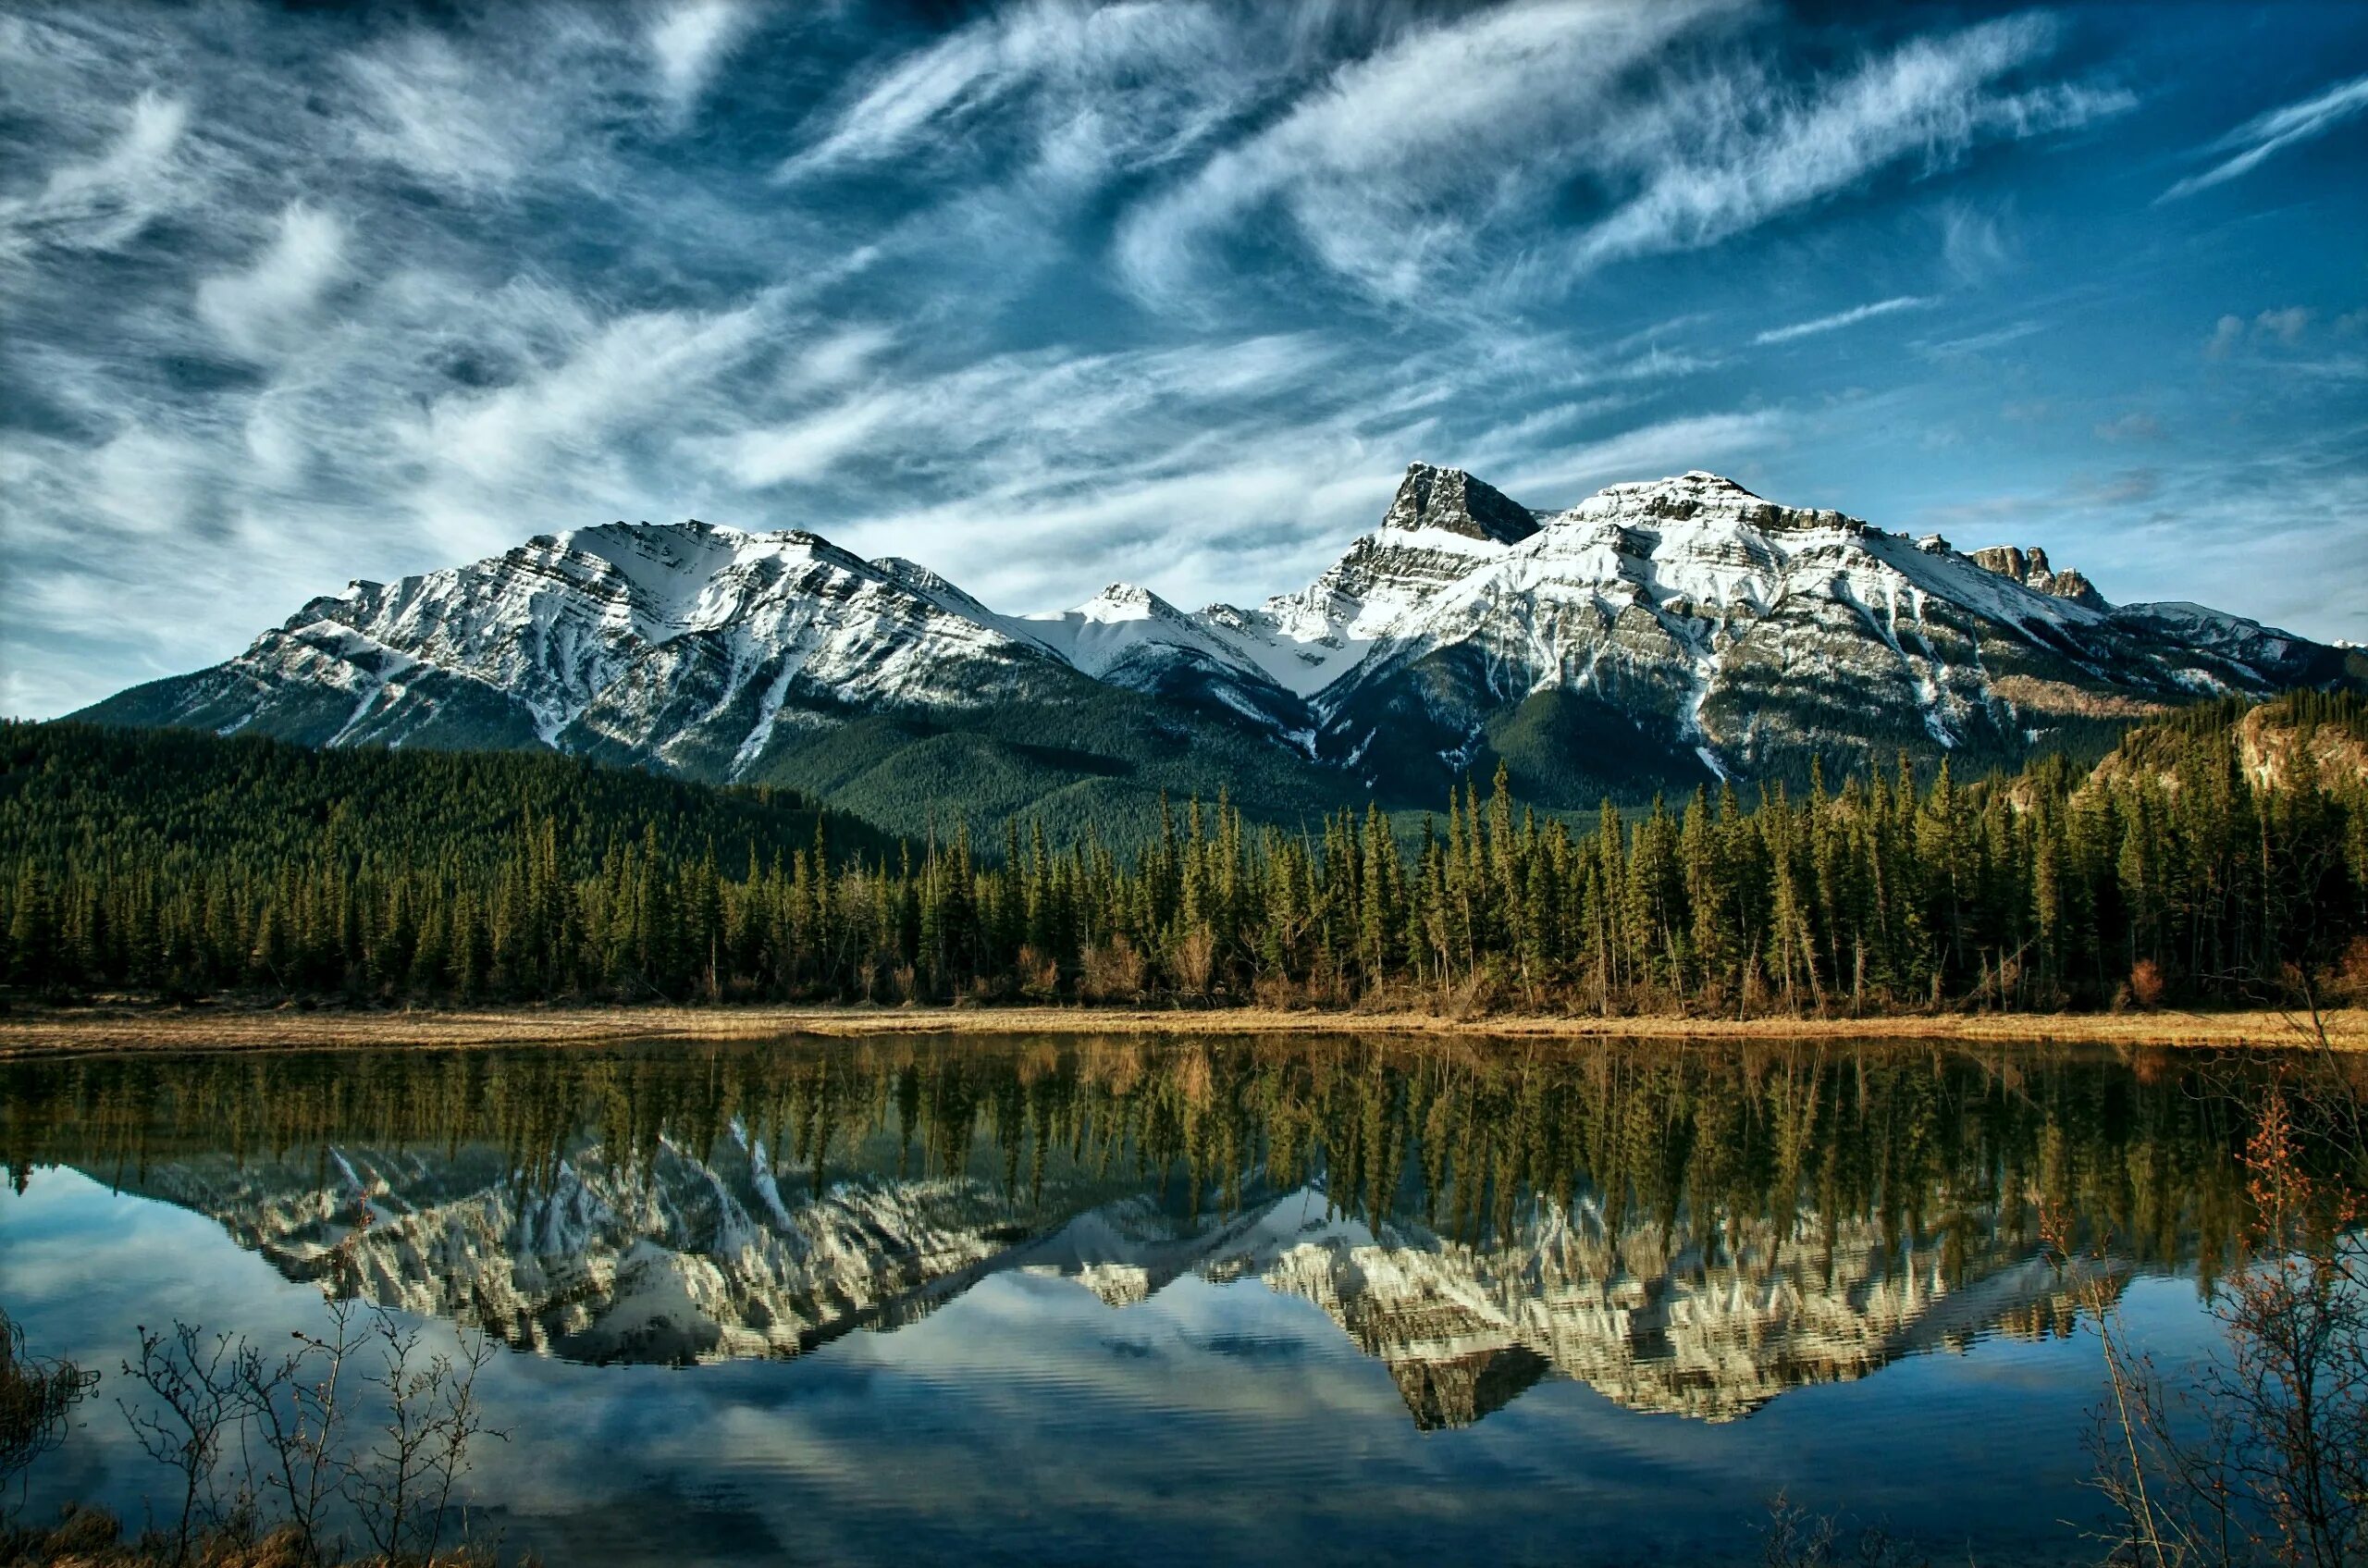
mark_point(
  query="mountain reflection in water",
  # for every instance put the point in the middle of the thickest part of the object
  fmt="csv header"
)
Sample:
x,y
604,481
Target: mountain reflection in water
x,y
1685,1229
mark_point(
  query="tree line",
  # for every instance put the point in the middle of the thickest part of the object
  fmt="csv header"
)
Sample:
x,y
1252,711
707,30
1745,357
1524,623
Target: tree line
x,y
2176,871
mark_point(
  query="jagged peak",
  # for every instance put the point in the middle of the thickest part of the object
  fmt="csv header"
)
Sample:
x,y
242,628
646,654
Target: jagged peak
x,y
1455,502
2028,565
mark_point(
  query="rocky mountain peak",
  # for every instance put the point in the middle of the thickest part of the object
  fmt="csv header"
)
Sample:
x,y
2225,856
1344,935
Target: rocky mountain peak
x,y
1125,600
1679,628
1700,494
2030,567
1453,500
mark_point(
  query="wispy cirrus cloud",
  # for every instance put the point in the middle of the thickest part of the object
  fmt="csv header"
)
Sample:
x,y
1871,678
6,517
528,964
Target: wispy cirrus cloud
x,y
262,310
1841,319
1077,89
1410,168
691,38
1391,168
104,201
2250,143
1048,292
1731,152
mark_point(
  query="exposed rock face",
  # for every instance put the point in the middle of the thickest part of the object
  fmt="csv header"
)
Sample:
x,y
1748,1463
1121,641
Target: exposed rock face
x,y
1453,501
2029,567
1655,635
689,646
689,1260
1663,634
2275,751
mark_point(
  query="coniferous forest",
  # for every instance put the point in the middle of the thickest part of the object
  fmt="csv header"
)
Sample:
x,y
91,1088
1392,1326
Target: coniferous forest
x,y
2215,857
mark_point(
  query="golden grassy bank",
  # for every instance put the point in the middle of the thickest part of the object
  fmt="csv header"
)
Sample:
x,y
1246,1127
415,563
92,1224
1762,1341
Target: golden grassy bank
x,y
231,1028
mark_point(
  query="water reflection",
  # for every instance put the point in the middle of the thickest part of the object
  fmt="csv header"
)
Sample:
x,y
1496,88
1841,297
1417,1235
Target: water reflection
x,y
1684,1229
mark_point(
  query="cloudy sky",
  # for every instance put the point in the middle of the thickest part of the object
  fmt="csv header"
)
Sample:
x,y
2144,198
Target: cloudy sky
x,y
1048,296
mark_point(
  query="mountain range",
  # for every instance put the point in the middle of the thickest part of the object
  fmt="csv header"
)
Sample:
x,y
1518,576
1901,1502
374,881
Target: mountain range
x,y
1656,636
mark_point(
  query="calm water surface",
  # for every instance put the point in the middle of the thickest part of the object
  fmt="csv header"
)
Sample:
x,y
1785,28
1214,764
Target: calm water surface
x,y
1071,1300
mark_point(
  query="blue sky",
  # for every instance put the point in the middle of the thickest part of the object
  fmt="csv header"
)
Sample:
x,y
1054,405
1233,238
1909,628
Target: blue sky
x,y
1050,295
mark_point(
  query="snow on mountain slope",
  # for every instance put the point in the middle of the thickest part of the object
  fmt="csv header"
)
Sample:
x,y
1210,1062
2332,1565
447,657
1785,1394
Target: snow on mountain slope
x,y
1657,634
1713,632
1441,525
1111,629
1129,637
686,643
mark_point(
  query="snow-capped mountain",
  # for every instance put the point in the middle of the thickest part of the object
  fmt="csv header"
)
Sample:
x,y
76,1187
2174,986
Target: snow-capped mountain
x,y
1657,634
688,645
1686,624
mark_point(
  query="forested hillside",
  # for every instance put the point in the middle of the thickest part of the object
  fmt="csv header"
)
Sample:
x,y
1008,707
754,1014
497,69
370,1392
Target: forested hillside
x,y
2175,872
173,859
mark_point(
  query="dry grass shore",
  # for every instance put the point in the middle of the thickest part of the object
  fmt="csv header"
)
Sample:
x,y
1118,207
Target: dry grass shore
x,y
131,1027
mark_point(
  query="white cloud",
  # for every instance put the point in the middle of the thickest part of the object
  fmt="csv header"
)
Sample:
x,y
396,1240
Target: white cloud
x,y
1976,245
481,111
266,310
1840,319
615,370
431,115
803,449
1048,415
1096,87
103,202
1727,154
2263,134
1429,160
2286,325
1981,342
690,39
1387,166
149,482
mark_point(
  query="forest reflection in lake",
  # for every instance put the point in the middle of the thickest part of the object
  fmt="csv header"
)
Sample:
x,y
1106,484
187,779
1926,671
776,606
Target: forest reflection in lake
x,y
1098,1256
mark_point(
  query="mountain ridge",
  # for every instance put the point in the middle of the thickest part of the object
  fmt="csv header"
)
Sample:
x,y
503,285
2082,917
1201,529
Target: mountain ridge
x,y
1659,634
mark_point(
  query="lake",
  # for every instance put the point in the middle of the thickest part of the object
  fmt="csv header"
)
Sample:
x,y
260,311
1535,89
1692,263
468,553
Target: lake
x,y
1291,1300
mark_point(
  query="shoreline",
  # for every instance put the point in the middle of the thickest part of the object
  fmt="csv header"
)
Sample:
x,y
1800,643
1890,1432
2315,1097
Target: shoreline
x,y
109,1030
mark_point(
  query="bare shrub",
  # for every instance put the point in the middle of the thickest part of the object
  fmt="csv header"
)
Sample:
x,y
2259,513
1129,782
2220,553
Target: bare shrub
x,y
2348,982
1473,996
191,1404
196,1402
2264,1459
1794,1537
1194,960
2146,983
1277,992
36,1398
1040,975
1112,971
